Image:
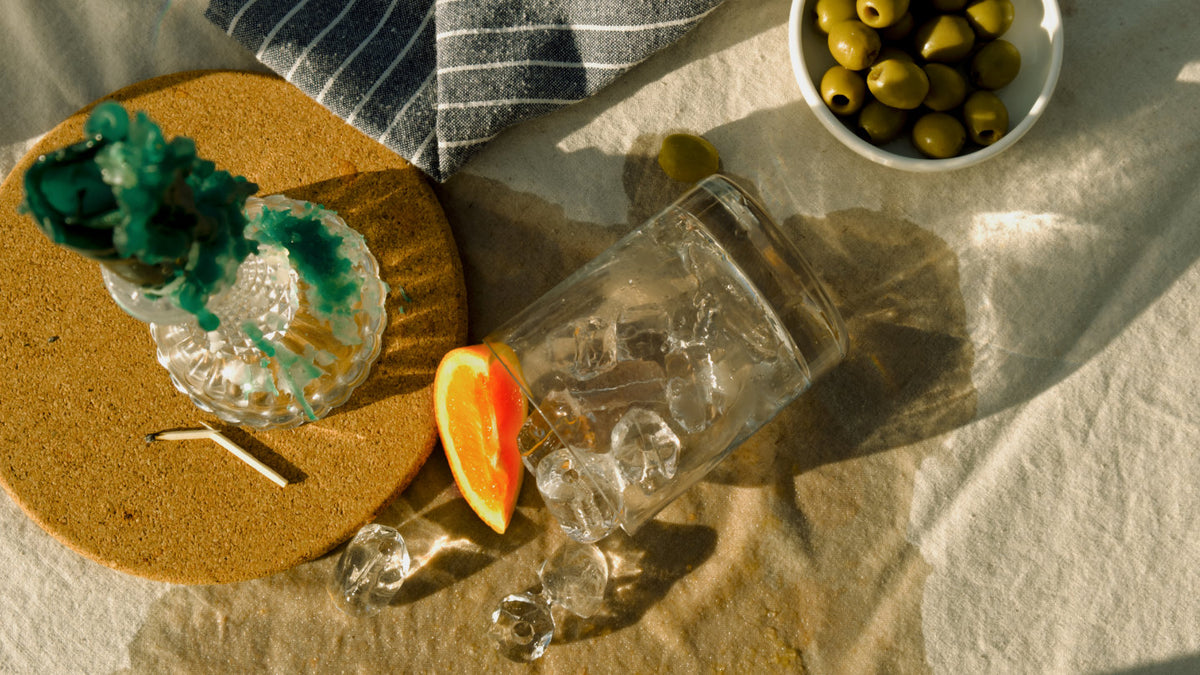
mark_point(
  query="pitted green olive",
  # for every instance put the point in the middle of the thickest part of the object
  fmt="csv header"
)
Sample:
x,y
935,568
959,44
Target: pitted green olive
x,y
853,44
938,135
880,13
995,65
830,12
945,39
947,87
880,124
986,117
843,90
990,18
898,83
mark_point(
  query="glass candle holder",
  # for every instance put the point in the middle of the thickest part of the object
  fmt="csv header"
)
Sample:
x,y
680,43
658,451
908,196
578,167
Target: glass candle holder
x,y
286,351
650,364
266,312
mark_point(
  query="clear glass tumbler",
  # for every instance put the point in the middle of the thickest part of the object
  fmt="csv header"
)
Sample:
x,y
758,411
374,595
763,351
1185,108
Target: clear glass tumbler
x,y
651,363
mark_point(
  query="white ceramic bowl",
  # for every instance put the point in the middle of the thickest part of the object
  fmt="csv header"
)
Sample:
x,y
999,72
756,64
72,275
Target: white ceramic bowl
x,y
1037,34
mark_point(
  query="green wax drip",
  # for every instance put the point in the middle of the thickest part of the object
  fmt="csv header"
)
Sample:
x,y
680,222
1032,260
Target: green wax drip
x,y
296,370
332,287
127,194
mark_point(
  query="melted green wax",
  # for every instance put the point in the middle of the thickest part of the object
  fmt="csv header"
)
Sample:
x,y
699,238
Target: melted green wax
x,y
332,286
156,212
297,370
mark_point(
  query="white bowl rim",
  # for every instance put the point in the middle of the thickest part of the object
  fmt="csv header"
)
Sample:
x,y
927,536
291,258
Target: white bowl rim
x,y
1052,20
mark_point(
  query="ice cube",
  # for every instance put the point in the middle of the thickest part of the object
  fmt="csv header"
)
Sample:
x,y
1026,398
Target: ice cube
x,y
691,375
758,333
522,626
642,333
702,258
595,347
688,405
558,411
370,571
560,348
574,577
604,398
704,321
573,497
645,448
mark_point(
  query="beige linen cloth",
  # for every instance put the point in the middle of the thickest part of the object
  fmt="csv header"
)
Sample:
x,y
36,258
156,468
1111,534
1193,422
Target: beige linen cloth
x,y
1001,478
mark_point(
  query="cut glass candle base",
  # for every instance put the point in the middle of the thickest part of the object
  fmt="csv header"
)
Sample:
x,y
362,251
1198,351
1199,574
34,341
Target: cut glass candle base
x,y
280,356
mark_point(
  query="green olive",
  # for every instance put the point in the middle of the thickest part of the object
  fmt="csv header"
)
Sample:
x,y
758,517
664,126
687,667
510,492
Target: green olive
x,y
995,65
853,44
898,30
986,117
879,124
880,13
948,5
945,39
947,87
843,90
830,12
898,83
938,135
687,158
990,18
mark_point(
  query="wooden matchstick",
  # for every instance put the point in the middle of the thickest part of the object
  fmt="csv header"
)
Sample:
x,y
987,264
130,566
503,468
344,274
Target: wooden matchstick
x,y
220,439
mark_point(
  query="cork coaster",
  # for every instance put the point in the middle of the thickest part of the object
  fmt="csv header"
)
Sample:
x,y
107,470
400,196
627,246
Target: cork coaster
x,y
82,387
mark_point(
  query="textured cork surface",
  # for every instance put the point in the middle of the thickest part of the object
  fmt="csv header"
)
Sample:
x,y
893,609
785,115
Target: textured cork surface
x,y
82,387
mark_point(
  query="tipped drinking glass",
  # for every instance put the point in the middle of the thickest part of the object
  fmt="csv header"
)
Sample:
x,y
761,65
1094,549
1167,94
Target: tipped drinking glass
x,y
650,364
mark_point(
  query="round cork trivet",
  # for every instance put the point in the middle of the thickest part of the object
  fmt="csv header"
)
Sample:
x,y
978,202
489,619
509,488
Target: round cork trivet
x,y
82,388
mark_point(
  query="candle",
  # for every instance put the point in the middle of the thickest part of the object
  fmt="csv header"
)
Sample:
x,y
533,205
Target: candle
x,y
150,209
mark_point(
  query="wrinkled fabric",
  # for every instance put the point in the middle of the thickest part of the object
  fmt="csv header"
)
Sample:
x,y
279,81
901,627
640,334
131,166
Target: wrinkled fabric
x,y
1000,478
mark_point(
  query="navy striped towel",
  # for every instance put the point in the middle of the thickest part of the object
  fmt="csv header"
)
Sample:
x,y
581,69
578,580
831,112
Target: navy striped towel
x,y
436,80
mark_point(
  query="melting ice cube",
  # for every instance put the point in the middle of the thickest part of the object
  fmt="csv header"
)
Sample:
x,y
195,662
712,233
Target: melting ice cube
x,y
572,497
645,448
370,570
604,398
522,626
574,578
692,386
595,347
642,333
558,418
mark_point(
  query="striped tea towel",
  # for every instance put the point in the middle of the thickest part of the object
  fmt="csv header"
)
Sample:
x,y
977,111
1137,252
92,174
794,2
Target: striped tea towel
x,y
436,80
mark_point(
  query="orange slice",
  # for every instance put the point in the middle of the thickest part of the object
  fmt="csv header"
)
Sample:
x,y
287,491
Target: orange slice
x,y
479,410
